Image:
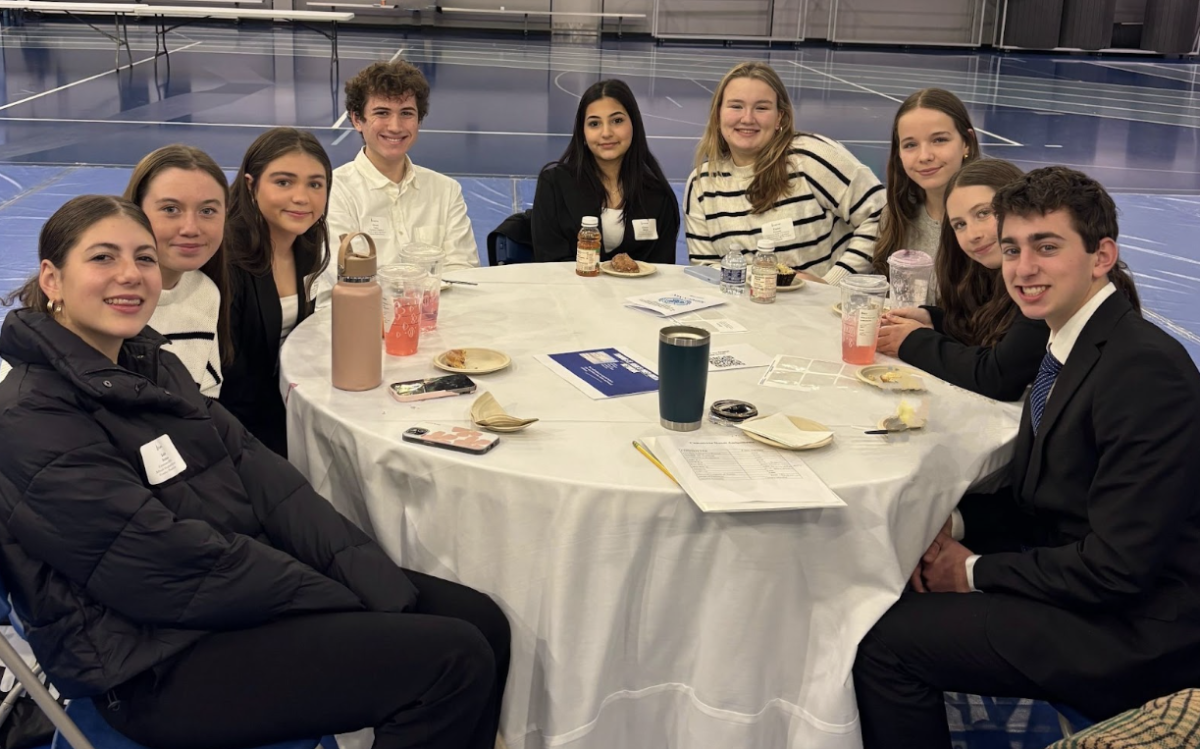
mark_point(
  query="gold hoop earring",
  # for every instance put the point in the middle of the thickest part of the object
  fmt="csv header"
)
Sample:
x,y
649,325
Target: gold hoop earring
x,y
49,306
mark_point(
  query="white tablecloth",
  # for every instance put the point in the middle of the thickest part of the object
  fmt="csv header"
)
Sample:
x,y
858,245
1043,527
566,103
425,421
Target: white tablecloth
x,y
637,620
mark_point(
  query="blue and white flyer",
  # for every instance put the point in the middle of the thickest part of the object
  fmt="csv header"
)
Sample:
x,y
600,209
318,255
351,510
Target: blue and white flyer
x,y
604,372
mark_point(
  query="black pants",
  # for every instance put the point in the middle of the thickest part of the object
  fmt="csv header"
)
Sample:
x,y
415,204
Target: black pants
x,y
927,644
432,678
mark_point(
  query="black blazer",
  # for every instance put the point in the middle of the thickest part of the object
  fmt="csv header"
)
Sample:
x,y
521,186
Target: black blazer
x,y
1002,371
251,388
1106,504
561,202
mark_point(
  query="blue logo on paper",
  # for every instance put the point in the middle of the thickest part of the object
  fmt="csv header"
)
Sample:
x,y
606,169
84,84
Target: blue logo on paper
x,y
675,300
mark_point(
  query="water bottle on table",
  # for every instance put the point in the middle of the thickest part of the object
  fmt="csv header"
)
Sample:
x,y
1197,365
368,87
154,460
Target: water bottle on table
x,y
763,273
733,273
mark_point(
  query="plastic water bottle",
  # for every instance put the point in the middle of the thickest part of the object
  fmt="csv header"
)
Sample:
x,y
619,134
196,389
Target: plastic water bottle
x,y
763,274
733,273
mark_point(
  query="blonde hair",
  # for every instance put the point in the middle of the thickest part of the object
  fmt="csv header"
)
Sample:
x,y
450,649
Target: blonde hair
x,y
771,171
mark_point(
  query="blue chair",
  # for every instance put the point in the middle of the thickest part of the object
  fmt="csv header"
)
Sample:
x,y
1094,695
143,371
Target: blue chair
x,y
80,725
1071,720
510,252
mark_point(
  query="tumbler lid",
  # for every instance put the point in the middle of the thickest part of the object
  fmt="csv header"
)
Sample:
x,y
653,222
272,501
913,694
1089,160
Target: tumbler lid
x,y
683,335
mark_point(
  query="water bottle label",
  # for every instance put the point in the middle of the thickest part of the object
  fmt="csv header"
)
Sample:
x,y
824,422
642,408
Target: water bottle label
x,y
733,276
762,285
587,261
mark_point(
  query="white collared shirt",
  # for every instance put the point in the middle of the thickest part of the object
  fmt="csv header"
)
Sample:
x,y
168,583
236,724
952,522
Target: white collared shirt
x,y
1061,344
424,206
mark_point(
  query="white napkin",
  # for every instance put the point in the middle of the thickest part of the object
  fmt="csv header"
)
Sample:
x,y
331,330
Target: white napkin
x,y
780,428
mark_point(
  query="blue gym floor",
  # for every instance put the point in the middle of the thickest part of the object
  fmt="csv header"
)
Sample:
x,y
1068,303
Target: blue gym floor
x,y
502,106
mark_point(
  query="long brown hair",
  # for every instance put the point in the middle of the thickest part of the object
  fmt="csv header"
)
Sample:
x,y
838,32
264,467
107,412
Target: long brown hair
x,y
247,234
978,309
905,197
1092,210
62,232
771,179
191,159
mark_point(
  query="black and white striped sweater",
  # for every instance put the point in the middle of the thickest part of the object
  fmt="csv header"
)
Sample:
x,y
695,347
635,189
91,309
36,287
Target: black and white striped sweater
x,y
187,316
833,205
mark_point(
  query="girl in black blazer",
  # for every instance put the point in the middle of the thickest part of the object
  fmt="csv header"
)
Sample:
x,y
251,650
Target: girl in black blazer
x,y
276,235
975,338
607,171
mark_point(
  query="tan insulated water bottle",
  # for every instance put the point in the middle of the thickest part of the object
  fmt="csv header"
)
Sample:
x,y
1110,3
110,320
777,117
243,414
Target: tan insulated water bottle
x,y
357,319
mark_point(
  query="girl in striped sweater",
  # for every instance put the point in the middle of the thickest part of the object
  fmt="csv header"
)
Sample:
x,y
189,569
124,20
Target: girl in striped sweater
x,y
755,177
183,192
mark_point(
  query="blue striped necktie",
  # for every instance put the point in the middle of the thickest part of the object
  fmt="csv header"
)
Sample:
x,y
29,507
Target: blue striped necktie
x,y
1041,388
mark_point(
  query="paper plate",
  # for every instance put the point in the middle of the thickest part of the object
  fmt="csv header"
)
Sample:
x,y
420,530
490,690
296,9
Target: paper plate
x,y
872,375
479,361
797,283
803,424
644,269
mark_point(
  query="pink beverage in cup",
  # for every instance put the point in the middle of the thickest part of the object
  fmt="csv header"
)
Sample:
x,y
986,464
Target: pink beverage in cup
x,y
862,307
405,333
403,289
430,302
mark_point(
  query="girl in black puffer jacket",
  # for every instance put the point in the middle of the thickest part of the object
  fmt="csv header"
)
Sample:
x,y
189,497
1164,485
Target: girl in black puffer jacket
x,y
188,579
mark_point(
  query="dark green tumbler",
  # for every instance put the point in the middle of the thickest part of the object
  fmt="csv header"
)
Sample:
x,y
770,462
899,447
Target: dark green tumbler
x,y
682,377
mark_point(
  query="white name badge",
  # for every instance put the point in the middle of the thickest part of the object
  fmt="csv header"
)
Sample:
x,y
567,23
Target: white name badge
x,y
162,460
377,227
644,229
779,231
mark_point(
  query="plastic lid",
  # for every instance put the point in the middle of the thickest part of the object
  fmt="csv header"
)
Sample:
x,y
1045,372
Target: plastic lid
x,y
402,272
417,252
909,259
591,221
865,283
766,245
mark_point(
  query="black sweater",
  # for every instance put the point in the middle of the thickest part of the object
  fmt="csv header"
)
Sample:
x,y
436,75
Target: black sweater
x,y
1002,371
561,202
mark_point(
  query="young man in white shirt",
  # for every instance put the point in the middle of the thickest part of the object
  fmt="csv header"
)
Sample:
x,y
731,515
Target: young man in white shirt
x,y
1081,579
382,192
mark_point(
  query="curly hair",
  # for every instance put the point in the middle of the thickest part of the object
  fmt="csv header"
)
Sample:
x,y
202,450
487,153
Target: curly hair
x,y
389,80
1091,209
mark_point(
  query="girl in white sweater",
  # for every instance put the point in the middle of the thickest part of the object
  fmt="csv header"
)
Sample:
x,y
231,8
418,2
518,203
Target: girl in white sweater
x,y
184,193
756,177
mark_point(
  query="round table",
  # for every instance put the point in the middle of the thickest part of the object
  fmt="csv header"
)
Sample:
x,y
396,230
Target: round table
x,y
637,619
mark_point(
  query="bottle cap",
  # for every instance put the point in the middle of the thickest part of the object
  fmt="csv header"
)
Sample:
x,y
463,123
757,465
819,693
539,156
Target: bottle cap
x,y
351,265
591,221
766,245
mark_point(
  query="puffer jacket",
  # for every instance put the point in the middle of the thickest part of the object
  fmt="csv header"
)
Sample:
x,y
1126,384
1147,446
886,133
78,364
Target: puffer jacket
x,y
114,574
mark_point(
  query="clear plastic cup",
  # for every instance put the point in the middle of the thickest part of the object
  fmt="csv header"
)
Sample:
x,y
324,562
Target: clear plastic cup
x,y
911,272
431,259
862,306
403,287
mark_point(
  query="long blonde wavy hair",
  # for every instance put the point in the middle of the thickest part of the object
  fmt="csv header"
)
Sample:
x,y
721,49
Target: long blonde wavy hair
x,y
770,181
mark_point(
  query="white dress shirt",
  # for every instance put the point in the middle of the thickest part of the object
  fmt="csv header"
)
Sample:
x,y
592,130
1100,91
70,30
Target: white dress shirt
x,y
424,206
1061,343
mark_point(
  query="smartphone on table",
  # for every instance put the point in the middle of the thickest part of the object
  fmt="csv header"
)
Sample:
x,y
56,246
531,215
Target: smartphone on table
x,y
452,438
432,387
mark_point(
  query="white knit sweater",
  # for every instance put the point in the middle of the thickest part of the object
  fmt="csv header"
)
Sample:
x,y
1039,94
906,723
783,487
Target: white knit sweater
x,y
187,316
832,205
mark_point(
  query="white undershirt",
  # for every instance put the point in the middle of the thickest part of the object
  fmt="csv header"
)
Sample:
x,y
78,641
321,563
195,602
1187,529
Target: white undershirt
x,y
612,227
289,306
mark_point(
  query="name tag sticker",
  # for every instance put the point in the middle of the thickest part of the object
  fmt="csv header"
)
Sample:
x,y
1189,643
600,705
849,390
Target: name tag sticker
x,y
644,229
779,231
162,460
377,227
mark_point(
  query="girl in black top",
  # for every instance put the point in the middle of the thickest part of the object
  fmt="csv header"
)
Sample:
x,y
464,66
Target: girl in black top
x,y
975,338
607,171
276,237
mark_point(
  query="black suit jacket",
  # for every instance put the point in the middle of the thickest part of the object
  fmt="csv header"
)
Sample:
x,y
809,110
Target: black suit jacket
x,y
1106,503
560,204
251,388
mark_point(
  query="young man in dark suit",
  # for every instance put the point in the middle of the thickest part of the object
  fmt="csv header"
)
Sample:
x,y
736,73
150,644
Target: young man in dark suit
x,y
1088,567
